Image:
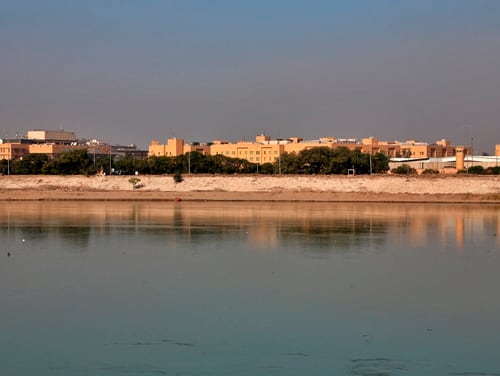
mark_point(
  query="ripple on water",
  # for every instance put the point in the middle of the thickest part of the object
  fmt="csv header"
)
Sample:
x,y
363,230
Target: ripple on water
x,y
377,367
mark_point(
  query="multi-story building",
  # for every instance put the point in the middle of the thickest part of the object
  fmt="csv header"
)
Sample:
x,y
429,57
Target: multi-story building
x,y
13,150
262,150
265,150
58,136
440,149
53,150
173,148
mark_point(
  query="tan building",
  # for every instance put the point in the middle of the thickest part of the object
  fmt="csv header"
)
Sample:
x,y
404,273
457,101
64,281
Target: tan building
x,y
263,150
13,150
440,149
497,150
373,145
197,147
53,150
173,148
51,136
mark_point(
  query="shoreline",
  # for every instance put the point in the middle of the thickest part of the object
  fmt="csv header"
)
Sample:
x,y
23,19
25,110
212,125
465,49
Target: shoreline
x,y
381,188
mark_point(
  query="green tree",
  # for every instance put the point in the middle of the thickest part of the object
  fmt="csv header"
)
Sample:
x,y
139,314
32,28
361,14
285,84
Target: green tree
x,y
4,167
380,163
268,168
30,164
290,163
341,161
316,160
74,162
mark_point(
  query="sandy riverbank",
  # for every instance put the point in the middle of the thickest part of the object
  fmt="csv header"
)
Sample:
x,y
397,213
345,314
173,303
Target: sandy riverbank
x,y
387,188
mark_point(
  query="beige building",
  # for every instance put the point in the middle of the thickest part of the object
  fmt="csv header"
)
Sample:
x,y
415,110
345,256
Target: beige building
x,y
440,149
265,150
53,150
13,150
173,148
497,150
51,136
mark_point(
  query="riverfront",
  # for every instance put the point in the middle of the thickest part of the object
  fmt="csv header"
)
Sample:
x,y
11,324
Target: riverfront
x,y
376,188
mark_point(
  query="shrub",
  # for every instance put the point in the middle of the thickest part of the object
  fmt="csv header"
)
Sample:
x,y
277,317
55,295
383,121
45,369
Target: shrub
x,y
493,170
404,169
430,171
134,181
476,170
178,177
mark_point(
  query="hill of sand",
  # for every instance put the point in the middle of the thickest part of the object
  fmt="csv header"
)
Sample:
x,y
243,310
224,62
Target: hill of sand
x,y
252,187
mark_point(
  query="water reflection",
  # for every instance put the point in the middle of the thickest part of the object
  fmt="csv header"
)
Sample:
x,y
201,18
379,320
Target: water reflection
x,y
248,288
261,225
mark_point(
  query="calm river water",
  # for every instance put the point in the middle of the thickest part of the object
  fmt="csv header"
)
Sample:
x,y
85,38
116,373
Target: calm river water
x,y
249,289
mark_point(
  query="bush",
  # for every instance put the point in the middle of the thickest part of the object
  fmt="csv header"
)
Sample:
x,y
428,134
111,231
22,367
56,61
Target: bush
x,y
404,169
178,177
430,171
493,170
135,182
476,170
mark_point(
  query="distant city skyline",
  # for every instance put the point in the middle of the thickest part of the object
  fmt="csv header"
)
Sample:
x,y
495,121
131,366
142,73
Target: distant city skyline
x,y
131,71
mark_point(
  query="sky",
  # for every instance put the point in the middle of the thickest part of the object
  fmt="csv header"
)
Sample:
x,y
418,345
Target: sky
x,y
127,72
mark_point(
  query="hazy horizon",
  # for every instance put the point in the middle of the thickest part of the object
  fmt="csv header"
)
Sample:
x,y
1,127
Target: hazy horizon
x,y
132,71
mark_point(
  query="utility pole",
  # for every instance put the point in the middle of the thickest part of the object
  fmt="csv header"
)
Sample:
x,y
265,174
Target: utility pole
x,y
472,150
371,151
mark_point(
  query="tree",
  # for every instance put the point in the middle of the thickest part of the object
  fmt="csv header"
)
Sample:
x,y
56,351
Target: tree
x,y
341,161
74,162
380,163
290,163
268,168
316,160
4,167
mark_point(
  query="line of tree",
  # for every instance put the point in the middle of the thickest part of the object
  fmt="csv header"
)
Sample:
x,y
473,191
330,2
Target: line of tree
x,y
320,160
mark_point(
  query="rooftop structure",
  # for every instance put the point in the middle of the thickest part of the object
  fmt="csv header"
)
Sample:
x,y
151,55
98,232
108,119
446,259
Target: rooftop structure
x,y
58,136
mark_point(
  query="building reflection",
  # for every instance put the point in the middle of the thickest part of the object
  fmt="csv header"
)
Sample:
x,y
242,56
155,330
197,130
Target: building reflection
x,y
262,225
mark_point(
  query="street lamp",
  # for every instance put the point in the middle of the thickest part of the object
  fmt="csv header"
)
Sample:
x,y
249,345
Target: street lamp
x,y
472,150
371,152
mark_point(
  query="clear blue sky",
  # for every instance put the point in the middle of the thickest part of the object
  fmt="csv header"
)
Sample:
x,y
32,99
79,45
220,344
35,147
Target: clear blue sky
x,y
131,71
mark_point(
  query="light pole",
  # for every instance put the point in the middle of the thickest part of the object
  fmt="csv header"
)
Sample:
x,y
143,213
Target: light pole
x,y
371,151
472,150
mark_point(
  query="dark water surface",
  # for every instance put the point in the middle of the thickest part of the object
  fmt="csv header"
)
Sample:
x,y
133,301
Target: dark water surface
x,y
249,289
